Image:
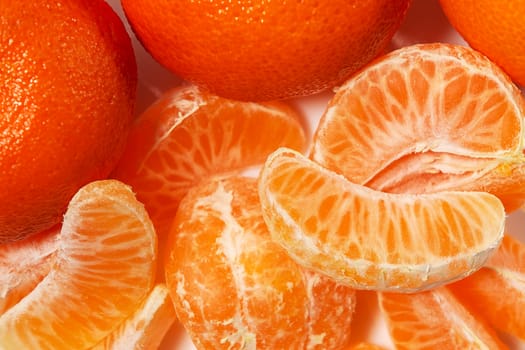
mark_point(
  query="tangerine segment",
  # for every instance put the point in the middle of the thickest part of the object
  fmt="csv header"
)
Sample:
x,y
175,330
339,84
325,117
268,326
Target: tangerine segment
x,y
438,98
103,268
375,240
189,134
434,319
366,346
23,264
146,327
497,291
233,287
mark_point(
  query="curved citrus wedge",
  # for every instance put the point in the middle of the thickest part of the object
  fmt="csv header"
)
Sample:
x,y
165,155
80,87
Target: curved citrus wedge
x,y
375,240
233,287
427,118
103,268
497,291
146,327
189,134
23,264
435,320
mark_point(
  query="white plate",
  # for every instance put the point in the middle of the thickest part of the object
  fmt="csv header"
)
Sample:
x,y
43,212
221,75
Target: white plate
x,y
424,23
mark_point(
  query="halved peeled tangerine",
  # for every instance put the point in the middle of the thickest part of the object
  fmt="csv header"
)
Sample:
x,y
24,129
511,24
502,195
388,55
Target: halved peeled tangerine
x,y
234,288
102,269
189,134
427,118
369,239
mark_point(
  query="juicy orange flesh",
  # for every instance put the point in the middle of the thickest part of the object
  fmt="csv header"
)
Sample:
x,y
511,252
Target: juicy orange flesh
x,y
434,320
497,291
146,327
188,135
232,285
423,100
103,268
446,234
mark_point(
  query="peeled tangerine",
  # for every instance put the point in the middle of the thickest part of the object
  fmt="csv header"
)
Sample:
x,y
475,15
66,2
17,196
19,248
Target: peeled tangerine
x,y
368,239
233,287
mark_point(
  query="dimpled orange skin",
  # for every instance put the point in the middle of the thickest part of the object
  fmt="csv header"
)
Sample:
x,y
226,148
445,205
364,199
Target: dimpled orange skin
x,y
494,28
264,50
66,102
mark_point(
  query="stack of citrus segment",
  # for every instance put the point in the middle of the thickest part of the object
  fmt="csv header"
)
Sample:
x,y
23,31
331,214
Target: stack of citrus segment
x,y
427,118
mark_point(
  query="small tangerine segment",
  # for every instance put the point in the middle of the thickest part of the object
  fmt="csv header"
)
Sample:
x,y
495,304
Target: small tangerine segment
x,y
375,240
146,327
435,319
233,287
103,268
497,291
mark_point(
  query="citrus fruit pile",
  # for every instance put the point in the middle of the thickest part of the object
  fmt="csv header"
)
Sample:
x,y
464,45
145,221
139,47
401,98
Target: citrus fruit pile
x,y
221,210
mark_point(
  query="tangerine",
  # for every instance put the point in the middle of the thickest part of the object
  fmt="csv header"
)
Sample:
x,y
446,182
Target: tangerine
x,y
265,50
494,28
66,102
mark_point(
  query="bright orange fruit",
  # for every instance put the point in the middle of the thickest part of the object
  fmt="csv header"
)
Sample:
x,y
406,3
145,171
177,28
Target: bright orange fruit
x,y
188,135
265,50
493,28
497,291
233,287
66,102
146,327
427,118
102,270
375,240
435,320
23,264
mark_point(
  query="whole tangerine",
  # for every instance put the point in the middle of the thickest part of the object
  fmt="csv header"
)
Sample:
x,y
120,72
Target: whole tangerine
x,y
265,50
495,28
69,79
